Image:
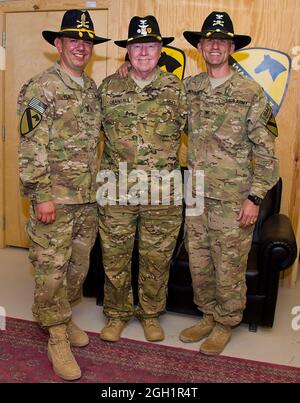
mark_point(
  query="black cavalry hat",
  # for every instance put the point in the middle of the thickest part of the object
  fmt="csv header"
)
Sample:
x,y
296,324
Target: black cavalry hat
x,y
75,24
144,29
217,25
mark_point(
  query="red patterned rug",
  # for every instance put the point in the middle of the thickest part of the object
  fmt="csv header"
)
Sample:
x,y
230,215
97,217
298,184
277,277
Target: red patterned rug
x,y
23,359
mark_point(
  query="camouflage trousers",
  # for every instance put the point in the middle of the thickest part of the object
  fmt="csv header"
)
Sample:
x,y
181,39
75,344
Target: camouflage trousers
x,y
218,251
60,255
157,228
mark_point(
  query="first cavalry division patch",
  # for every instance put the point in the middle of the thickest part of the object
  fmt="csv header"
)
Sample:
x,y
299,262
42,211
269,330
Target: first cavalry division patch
x,y
32,115
269,67
172,60
272,126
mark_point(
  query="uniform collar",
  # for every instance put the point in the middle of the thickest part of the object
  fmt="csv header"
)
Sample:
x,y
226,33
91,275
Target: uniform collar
x,y
68,80
157,74
223,88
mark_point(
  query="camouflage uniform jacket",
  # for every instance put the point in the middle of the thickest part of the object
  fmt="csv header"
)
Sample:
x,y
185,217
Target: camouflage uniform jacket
x,y
142,126
228,138
58,157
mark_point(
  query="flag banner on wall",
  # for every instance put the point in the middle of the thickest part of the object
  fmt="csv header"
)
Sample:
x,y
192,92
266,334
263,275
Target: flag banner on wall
x,y
269,67
172,60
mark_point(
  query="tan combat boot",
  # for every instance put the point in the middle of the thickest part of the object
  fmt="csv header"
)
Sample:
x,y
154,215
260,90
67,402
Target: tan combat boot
x,y
152,329
200,330
77,337
113,329
60,354
217,340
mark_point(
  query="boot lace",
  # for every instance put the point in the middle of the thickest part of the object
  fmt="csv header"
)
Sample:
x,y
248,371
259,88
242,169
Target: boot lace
x,y
152,322
114,323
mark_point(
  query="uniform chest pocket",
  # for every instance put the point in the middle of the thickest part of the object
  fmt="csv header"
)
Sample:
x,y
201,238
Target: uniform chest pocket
x,y
231,129
65,102
209,116
164,110
236,110
118,110
66,114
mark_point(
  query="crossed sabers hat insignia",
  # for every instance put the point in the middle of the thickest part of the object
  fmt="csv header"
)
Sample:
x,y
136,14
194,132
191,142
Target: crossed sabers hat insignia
x,y
75,24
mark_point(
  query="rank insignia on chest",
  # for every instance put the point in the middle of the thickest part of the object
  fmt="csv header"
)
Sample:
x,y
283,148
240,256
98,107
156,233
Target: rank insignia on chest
x,y
32,116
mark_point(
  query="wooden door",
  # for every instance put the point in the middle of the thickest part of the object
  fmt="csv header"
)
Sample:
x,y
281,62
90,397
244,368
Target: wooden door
x,y
27,54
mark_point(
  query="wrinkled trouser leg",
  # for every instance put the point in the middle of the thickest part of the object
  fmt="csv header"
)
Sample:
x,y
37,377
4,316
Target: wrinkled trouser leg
x,y
60,255
117,226
85,231
158,228
218,251
158,232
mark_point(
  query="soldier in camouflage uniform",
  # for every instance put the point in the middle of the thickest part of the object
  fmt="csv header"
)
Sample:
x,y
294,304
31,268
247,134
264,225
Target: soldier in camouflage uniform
x,y
229,141
143,115
58,159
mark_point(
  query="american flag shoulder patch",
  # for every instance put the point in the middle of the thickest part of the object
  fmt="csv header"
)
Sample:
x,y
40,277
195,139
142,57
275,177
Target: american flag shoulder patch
x,y
38,105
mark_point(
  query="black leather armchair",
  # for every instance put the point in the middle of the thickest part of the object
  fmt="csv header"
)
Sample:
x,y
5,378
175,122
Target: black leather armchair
x,y
273,249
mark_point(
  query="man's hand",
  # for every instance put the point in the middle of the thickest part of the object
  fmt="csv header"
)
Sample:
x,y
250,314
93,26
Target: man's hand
x,y
123,70
248,213
45,212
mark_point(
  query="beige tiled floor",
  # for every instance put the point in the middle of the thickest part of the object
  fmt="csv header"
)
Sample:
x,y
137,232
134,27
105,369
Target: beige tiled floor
x,y
280,345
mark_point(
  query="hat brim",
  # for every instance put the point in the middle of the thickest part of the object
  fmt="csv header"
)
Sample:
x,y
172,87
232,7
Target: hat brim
x,y
50,36
240,41
148,38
